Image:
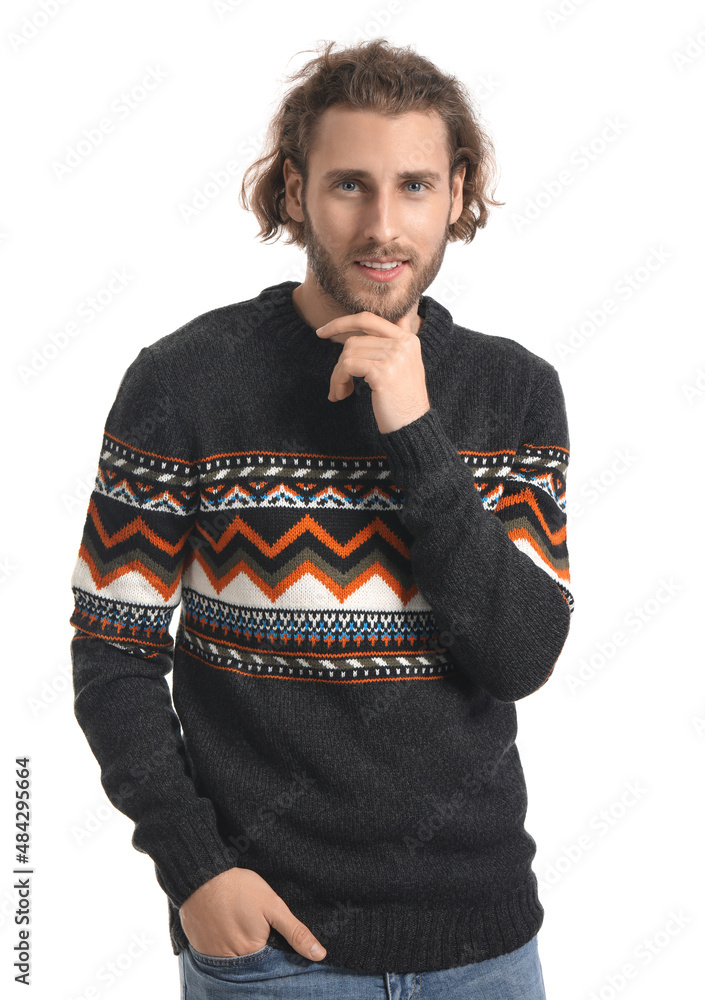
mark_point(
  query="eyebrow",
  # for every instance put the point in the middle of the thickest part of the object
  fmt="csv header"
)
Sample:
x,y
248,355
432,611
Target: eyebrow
x,y
338,175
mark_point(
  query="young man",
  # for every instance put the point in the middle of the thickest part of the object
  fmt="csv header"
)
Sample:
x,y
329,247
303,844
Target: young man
x,y
361,507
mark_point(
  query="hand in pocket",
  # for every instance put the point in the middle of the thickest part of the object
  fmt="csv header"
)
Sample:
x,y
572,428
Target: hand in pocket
x,y
232,914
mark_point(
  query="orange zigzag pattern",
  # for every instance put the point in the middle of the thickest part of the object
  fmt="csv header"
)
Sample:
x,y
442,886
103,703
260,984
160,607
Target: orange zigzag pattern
x,y
307,523
555,537
102,580
526,496
304,568
526,536
136,526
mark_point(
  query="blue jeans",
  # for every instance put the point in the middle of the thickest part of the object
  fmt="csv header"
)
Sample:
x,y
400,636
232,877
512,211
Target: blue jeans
x,y
271,974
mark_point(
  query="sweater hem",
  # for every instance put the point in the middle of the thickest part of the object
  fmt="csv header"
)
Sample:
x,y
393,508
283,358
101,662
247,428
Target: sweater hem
x,y
413,938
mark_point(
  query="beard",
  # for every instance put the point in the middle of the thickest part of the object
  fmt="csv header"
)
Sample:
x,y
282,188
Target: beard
x,y
391,300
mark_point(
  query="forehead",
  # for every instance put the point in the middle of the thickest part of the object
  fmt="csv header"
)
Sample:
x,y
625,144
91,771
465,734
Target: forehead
x,y
411,140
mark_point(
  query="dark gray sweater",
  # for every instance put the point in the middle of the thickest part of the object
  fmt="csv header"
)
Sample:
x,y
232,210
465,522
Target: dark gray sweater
x,y
359,613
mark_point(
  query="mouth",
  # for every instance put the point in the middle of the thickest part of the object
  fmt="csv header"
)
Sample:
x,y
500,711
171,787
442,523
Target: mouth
x,y
382,269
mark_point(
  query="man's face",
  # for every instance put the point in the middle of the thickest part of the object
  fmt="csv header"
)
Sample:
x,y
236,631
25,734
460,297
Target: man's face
x,y
371,195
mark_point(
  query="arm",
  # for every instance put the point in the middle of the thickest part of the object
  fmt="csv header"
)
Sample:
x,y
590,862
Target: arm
x,y
496,579
126,584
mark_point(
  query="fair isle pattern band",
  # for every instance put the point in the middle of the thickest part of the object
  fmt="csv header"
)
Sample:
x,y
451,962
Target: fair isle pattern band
x,y
127,578
308,632
525,489
143,652
127,581
534,512
348,667
116,620
542,467
145,480
271,479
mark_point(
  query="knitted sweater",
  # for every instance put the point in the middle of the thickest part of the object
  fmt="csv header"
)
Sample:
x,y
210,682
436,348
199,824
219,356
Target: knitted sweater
x,y
359,614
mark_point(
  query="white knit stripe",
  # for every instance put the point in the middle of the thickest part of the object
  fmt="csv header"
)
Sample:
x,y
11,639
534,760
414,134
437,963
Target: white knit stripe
x,y
305,592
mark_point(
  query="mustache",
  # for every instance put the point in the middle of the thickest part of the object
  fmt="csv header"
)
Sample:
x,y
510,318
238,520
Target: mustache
x,y
368,254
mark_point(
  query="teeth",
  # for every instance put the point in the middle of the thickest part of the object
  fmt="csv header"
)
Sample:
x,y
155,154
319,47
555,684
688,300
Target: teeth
x,y
382,267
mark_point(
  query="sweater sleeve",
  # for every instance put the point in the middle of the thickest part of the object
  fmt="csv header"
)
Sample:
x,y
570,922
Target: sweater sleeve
x,y
126,585
489,550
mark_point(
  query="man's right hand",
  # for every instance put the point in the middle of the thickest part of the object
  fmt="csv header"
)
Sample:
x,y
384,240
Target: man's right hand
x,y
232,914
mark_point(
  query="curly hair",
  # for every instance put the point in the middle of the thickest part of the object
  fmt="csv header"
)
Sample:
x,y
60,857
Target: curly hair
x,y
372,76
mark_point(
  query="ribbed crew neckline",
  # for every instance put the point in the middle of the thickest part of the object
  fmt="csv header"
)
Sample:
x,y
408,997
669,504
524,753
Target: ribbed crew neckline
x,y
320,354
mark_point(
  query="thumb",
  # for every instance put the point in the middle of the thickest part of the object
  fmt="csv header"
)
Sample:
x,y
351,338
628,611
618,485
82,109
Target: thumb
x,y
296,933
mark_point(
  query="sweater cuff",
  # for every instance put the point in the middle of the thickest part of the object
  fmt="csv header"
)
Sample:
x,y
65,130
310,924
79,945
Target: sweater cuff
x,y
419,452
189,854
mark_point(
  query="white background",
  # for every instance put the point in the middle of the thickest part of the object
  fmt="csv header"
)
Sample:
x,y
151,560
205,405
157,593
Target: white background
x,y
618,732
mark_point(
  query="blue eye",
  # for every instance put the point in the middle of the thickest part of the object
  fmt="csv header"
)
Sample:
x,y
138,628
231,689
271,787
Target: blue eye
x,y
418,183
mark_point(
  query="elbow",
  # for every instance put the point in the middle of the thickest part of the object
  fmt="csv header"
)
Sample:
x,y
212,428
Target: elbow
x,y
515,674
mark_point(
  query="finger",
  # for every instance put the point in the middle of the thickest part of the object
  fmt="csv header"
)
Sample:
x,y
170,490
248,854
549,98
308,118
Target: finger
x,y
363,322
340,388
296,933
357,364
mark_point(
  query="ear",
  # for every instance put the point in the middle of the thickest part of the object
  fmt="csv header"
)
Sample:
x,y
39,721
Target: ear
x,y
293,183
457,195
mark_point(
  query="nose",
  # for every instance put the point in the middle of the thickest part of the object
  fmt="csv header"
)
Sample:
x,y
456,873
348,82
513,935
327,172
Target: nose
x,y
381,223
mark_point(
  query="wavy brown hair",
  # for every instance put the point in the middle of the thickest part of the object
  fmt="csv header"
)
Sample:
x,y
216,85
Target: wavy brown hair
x,y
372,76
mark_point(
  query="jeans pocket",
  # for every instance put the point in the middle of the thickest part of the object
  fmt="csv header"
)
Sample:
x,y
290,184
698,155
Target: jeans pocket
x,y
232,961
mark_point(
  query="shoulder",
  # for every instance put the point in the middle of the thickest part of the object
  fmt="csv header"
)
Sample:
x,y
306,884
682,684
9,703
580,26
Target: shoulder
x,y
505,357
208,330
200,352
